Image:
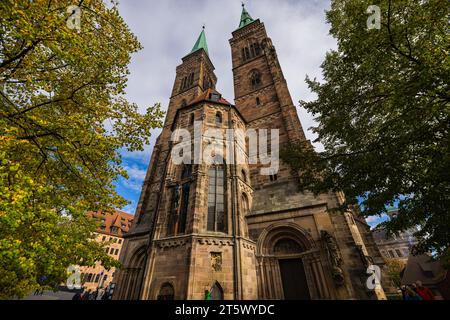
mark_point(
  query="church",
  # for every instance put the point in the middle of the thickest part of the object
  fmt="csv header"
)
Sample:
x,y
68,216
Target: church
x,y
222,230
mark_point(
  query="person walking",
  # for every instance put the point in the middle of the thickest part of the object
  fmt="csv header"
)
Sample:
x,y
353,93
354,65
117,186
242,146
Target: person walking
x,y
424,292
77,296
95,295
411,294
85,295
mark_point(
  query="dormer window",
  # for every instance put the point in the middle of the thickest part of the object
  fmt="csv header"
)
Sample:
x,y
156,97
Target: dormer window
x,y
214,96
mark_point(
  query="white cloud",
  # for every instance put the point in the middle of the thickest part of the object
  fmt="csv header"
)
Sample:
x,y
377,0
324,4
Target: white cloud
x,y
132,185
135,173
130,208
373,221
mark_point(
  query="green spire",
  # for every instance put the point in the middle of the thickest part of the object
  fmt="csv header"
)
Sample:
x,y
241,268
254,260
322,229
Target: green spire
x,y
201,42
245,17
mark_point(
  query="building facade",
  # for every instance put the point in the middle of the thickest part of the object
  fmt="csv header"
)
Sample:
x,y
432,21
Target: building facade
x,y
222,229
394,246
113,227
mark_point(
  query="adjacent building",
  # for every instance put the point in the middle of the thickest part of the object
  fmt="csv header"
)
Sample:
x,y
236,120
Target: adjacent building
x,y
113,227
394,246
224,229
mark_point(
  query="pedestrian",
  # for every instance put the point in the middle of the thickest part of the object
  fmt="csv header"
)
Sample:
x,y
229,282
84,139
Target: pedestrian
x,y
77,296
101,293
403,289
411,294
95,295
423,292
85,295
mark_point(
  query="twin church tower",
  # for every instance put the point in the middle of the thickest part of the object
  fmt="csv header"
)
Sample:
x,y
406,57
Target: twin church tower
x,y
222,230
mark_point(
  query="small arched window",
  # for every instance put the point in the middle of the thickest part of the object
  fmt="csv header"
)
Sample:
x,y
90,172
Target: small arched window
x,y
187,171
258,102
218,118
245,204
255,78
191,119
216,292
166,292
247,54
244,175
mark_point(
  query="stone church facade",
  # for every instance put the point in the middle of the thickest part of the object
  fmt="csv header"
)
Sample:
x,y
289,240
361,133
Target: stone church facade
x,y
222,230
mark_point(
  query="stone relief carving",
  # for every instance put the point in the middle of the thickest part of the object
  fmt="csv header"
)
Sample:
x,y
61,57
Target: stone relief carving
x,y
216,261
334,256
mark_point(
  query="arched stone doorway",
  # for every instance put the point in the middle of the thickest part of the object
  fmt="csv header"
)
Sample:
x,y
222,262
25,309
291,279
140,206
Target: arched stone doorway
x,y
133,276
289,265
292,271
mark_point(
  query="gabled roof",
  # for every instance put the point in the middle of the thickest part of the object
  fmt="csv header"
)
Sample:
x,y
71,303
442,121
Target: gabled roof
x,y
115,223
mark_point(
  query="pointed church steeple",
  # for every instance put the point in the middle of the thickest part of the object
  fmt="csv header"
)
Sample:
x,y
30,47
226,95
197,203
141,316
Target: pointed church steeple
x,y
246,19
201,42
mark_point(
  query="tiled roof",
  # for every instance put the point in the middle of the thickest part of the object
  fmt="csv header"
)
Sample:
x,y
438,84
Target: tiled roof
x,y
116,223
207,96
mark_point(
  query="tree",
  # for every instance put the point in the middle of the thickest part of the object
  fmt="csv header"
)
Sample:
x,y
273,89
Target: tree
x,y
64,120
383,116
394,268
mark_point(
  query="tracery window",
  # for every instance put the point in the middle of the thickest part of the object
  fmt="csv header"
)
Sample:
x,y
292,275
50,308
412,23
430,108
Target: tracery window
x,y
216,199
255,78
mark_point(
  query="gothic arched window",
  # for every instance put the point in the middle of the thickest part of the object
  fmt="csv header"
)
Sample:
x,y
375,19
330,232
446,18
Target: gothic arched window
x,y
166,292
245,204
255,78
216,292
218,118
216,199
251,51
244,175
179,207
247,53
186,172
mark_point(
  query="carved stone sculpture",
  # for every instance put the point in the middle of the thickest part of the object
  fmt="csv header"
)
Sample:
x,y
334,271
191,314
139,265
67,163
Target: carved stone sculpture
x,y
334,256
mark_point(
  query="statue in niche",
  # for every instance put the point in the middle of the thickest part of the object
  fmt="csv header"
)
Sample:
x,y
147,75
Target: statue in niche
x,y
216,261
176,196
334,256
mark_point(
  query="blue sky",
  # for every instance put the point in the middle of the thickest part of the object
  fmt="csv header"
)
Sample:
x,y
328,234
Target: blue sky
x,y
168,29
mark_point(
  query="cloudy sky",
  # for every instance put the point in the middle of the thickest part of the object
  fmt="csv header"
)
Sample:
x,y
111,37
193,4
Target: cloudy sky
x,y
168,29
